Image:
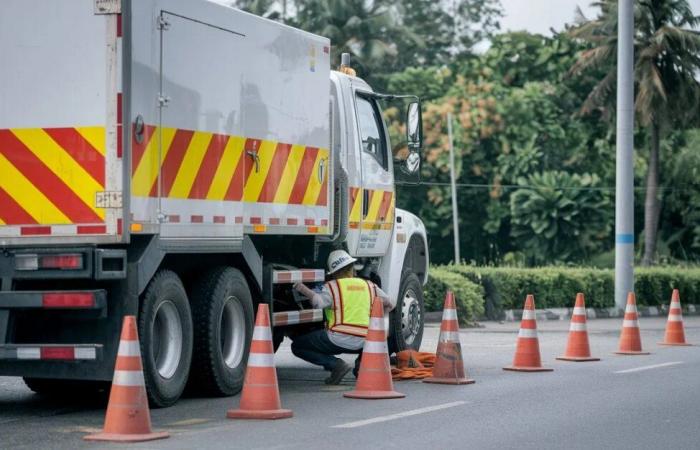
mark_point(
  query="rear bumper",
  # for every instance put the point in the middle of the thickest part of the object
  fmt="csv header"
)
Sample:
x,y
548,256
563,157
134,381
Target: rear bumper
x,y
51,352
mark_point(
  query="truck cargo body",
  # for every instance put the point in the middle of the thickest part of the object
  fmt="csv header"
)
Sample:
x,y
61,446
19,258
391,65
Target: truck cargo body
x,y
180,161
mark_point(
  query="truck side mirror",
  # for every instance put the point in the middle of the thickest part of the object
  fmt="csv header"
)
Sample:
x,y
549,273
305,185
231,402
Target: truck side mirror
x,y
414,138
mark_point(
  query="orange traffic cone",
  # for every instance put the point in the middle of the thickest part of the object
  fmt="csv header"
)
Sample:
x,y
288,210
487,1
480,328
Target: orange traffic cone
x,y
374,380
675,334
128,418
630,339
449,367
527,352
577,348
261,396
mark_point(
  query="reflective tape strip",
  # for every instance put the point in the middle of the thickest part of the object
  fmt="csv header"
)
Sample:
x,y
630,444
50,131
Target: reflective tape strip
x,y
376,323
630,324
262,334
375,347
295,317
527,333
297,276
261,360
29,353
675,318
129,348
449,314
528,314
128,378
577,326
578,311
675,305
85,353
449,336
631,308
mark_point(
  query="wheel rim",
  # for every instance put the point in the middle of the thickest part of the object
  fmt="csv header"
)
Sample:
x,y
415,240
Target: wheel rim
x,y
410,317
232,332
167,339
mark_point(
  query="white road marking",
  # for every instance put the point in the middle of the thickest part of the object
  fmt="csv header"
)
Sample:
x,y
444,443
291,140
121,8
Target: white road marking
x,y
413,412
655,366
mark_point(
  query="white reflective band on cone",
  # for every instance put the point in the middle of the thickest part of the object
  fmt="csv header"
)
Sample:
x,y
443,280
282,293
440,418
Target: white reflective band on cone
x,y
630,324
449,314
29,353
129,348
262,334
376,324
261,360
527,333
85,353
128,378
449,336
578,311
575,326
675,305
675,318
375,347
631,309
528,314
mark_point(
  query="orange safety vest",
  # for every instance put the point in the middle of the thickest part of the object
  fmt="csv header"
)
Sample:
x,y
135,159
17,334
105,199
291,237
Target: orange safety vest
x,y
352,304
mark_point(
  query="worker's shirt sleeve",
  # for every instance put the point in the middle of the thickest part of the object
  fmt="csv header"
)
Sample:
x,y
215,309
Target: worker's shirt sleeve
x,y
323,299
388,303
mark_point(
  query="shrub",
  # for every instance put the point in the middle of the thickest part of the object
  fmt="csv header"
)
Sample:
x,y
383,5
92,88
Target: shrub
x,y
469,295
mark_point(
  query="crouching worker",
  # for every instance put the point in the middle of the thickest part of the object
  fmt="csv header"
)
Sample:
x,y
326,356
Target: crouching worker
x,y
347,304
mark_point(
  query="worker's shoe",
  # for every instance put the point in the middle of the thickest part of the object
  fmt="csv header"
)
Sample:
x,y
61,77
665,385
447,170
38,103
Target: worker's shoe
x,y
340,369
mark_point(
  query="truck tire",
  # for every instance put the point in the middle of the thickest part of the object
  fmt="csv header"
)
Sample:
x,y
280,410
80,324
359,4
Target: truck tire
x,y
407,319
222,311
165,332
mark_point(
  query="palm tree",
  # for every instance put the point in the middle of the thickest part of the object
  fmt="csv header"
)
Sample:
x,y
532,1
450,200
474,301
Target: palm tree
x,y
666,66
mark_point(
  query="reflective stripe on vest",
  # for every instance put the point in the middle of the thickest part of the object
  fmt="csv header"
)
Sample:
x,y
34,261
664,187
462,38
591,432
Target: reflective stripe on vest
x,y
352,303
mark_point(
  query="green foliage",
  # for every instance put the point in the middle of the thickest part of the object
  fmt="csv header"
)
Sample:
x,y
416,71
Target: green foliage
x,y
556,216
469,295
553,287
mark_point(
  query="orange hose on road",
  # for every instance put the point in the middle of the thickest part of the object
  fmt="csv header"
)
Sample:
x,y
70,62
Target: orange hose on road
x,y
413,365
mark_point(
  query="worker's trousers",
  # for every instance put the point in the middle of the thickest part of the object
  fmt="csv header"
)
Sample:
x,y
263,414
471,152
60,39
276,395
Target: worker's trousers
x,y
317,348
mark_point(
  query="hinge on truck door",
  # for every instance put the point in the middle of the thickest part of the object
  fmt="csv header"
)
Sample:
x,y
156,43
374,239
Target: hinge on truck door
x,y
163,23
163,100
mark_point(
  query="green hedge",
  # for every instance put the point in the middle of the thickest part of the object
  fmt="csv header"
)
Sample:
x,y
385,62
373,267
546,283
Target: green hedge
x,y
469,295
506,287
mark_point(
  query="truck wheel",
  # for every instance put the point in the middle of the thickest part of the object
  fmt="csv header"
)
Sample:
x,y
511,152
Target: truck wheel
x,y
222,310
165,331
407,319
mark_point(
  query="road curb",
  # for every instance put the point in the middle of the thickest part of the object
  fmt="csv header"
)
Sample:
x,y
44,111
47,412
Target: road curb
x,y
513,315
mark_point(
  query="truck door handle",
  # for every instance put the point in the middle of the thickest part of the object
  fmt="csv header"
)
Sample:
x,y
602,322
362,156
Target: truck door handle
x,y
321,169
256,159
365,202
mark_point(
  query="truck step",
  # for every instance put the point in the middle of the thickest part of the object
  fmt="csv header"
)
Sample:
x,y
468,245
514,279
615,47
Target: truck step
x,y
296,317
53,352
298,276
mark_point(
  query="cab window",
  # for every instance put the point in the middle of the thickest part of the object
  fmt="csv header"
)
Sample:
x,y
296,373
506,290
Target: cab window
x,y
371,130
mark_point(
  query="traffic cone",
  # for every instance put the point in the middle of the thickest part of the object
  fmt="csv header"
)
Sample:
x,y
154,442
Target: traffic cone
x,y
577,348
128,418
527,352
449,366
374,380
630,339
675,334
260,398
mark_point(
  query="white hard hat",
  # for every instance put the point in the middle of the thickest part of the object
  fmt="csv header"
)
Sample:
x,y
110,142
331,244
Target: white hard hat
x,y
337,260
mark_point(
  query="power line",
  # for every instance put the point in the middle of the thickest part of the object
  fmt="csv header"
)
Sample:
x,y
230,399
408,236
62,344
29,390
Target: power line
x,y
558,188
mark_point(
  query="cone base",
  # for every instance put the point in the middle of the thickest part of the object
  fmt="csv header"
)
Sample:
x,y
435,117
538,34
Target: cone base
x,y
682,344
453,381
527,369
114,437
265,414
630,352
577,358
374,395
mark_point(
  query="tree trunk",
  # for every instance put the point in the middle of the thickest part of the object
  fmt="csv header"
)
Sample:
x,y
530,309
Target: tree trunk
x,y
652,205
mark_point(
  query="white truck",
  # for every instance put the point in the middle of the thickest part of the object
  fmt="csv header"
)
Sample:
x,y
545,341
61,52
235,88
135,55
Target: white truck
x,y
182,161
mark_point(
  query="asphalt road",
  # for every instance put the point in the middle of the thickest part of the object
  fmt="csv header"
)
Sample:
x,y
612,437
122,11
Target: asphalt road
x,y
654,404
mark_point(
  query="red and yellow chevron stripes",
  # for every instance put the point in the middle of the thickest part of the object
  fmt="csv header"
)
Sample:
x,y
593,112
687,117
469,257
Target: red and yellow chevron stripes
x,y
380,213
209,166
50,176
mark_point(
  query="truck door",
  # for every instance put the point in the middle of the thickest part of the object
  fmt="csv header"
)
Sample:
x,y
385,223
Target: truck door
x,y
377,190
